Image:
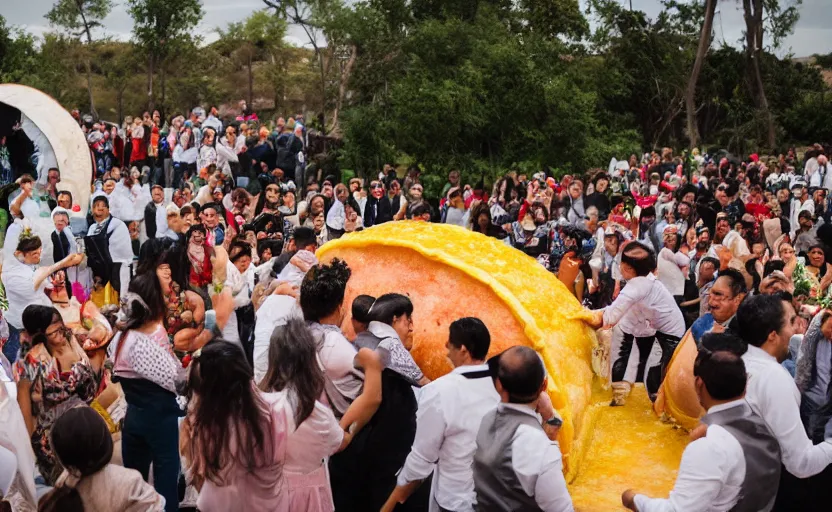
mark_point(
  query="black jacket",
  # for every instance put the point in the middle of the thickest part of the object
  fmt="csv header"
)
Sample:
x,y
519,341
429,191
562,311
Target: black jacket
x,y
150,219
377,211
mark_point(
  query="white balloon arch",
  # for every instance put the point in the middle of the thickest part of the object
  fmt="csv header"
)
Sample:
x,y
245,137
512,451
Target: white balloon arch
x,y
64,134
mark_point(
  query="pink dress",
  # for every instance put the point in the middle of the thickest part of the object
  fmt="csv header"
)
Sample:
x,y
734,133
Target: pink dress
x,y
305,470
264,490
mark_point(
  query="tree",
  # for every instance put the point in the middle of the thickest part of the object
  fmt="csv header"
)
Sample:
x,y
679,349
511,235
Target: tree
x,y
79,18
314,17
258,38
780,23
157,26
123,65
18,53
701,52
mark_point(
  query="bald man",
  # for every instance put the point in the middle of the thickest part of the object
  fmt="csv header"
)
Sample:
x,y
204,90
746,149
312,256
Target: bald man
x,y
516,465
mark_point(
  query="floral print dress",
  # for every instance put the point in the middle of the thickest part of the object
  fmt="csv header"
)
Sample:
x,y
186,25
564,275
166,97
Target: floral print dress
x,y
53,390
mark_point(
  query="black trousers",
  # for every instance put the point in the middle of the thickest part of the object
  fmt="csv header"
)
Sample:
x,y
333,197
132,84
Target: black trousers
x,y
655,375
813,494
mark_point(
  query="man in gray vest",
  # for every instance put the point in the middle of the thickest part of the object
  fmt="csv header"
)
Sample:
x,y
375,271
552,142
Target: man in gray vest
x,y
736,465
516,465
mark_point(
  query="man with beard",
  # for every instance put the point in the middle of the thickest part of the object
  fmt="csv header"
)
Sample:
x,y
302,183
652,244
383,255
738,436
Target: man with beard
x,y
378,209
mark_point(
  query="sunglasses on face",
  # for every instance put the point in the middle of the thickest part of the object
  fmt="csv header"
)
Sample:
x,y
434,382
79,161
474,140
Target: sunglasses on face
x,y
722,188
376,185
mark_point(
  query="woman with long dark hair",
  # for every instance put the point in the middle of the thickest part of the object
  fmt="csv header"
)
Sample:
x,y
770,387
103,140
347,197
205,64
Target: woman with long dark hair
x,y
234,436
314,433
149,373
53,372
84,445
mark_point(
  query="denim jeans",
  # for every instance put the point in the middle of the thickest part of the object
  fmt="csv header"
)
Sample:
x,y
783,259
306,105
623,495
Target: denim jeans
x,y
153,437
12,346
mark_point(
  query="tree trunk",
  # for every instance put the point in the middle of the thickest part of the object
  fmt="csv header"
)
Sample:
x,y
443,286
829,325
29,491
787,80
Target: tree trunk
x,y
250,82
323,88
120,103
89,88
150,104
753,14
164,73
342,88
701,51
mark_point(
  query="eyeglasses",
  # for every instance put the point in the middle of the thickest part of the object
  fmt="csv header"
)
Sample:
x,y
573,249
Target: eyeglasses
x,y
722,188
376,185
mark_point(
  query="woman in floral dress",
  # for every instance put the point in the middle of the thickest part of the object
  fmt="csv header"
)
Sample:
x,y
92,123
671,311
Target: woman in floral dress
x,y
54,374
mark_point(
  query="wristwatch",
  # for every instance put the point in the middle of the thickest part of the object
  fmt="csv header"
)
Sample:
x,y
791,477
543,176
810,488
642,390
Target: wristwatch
x,y
554,421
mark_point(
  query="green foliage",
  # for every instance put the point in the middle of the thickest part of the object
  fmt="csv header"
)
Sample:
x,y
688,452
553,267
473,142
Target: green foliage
x,y
79,17
473,92
158,24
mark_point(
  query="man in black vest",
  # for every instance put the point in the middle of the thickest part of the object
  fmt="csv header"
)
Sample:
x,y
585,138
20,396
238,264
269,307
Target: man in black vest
x,y
516,465
736,465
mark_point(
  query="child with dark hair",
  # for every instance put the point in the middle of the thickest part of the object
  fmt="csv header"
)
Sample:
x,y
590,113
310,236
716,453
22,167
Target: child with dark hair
x,y
84,444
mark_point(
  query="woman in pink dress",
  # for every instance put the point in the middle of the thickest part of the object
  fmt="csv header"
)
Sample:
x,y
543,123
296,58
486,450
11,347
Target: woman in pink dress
x,y
314,433
234,436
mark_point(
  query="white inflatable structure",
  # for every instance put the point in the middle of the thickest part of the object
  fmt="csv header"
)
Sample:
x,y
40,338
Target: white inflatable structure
x,y
69,145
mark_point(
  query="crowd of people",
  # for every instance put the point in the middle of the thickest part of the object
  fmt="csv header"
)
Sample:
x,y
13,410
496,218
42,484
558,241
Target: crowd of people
x,y
185,329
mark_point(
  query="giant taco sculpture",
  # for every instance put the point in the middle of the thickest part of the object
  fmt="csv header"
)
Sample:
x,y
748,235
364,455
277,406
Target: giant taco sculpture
x,y
450,272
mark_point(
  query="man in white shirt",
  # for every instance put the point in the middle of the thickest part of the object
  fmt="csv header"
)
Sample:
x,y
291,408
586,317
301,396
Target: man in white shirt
x,y
650,303
822,177
450,412
516,464
155,215
766,323
713,467
115,240
800,202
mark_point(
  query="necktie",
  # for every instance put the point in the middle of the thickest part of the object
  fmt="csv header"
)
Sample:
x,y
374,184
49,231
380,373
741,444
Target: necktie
x,y
99,228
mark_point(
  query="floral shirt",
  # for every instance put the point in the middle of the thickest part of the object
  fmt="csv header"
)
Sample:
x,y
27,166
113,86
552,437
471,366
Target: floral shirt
x,y
53,390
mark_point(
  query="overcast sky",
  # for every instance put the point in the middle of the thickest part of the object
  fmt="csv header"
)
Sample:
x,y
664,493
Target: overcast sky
x,y
813,33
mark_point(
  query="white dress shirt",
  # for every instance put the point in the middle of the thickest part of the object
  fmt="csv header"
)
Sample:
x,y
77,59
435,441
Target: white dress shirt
x,y
710,475
276,310
336,216
822,173
647,299
773,395
797,207
538,465
450,411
